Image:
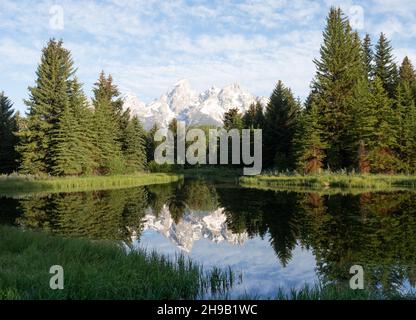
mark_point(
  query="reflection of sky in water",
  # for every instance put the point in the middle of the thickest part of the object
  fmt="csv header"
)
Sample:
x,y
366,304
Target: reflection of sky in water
x,y
262,272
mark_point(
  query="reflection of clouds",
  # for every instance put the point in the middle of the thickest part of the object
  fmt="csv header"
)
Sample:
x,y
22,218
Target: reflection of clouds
x,y
262,273
192,227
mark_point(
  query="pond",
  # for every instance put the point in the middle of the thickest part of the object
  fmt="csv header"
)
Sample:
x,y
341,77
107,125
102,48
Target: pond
x,y
273,240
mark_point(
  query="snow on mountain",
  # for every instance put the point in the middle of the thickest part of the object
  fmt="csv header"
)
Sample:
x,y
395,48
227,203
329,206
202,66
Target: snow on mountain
x,y
184,104
192,227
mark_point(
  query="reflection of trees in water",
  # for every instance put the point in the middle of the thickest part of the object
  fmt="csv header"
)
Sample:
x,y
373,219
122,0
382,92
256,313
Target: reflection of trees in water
x,y
377,231
195,194
112,215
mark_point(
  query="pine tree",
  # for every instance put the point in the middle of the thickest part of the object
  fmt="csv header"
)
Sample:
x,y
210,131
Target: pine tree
x,y
385,67
383,159
363,122
405,110
73,151
47,101
8,140
134,147
151,144
233,119
259,116
368,57
281,118
407,72
308,142
339,69
107,126
249,117
253,118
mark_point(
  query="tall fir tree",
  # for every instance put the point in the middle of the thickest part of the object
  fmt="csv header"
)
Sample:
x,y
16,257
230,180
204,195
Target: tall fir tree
x,y
8,140
73,151
253,118
107,126
339,69
405,109
362,125
385,67
383,158
280,121
308,143
368,56
134,147
47,101
151,144
233,119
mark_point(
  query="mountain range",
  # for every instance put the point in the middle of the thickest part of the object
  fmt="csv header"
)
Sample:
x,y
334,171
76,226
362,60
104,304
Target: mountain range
x,y
193,226
185,104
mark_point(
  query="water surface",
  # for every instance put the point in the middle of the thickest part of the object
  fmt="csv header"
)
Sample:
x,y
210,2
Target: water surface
x,y
273,239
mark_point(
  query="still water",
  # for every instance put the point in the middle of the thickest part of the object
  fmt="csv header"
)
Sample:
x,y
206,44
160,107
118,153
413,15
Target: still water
x,y
274,240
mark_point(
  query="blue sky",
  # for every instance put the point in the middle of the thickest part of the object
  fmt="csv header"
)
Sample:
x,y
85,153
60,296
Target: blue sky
x,y
149,45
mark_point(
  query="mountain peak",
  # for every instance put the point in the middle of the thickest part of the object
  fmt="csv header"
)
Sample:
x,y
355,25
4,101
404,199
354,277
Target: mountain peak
x,y
181,102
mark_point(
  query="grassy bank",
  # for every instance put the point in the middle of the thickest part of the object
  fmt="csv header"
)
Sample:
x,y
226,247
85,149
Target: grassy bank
x,y
13,184
105,270
331,180
97,270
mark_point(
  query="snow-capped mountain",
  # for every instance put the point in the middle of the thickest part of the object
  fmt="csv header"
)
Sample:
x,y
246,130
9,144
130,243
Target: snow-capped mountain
x,y
184,104
192,227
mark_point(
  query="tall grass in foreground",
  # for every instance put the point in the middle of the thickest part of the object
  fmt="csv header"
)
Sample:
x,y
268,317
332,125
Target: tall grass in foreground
x,y
331,180
98,270
13,184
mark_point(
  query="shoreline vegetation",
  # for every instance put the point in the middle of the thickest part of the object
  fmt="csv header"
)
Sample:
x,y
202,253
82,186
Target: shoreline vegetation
x,y
99,270
12,184
106,270
330,181
325,182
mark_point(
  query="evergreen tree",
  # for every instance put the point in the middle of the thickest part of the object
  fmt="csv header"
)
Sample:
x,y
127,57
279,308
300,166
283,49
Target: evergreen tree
x,y
368,56
405,110
363,122
339,69
280,122
8,126
407,72
233,119
134,148
73,151
107,126
151,144
385,67
47,101
383,158
308,142
249,117
253,118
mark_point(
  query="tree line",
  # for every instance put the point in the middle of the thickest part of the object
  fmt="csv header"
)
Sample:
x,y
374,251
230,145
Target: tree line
x,y
63,134
360,114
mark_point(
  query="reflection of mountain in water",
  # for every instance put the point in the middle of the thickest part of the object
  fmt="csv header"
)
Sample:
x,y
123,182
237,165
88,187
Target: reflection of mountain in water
x,y
192,227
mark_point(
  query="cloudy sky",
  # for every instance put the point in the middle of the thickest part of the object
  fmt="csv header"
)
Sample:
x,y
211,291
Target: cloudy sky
x,y
148,45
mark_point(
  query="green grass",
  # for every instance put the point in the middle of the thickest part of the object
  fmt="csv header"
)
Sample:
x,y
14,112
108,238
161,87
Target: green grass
x,y
326,180
98,270
106,270
20,184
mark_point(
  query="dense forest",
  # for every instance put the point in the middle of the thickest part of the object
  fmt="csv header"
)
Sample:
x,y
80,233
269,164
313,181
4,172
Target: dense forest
x,y
360,115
